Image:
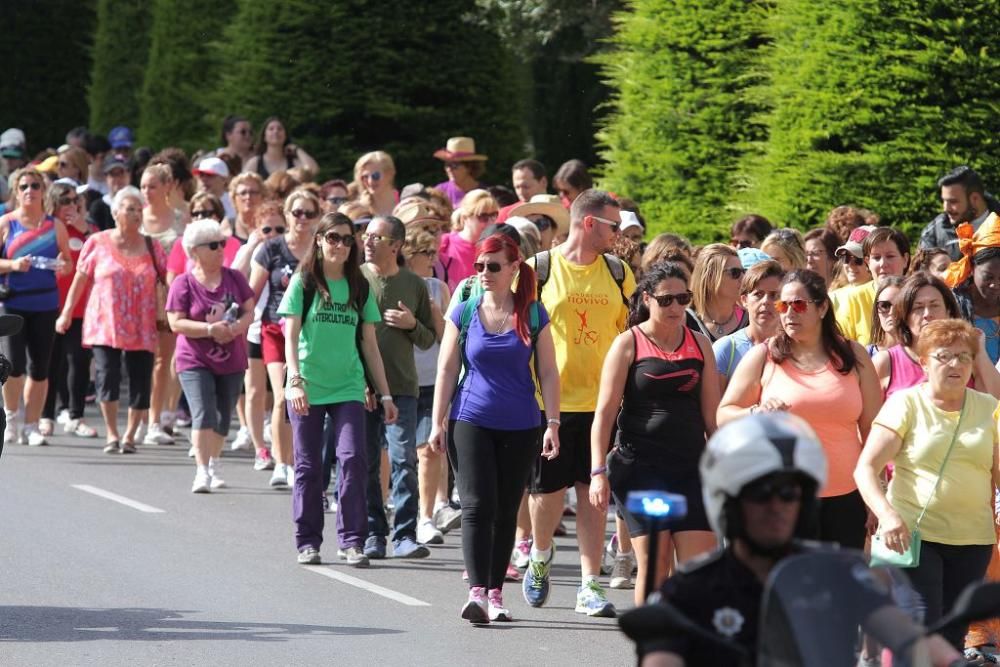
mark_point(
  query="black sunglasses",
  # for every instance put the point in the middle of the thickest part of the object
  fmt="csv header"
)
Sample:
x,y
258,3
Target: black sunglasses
x,y
492,267
884,307
848,258
302,213
741,243
212,245
276,230
544,222
787,491
665,300
34,185
333,238
736,273
68,201
204,213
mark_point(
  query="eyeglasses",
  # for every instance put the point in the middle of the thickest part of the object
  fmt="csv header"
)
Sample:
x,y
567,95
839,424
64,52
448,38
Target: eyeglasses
x,y
300,213
428,253
762,492
666,300
848,259
884,307
796,305
454,165
945,357
487,217
248,193
736,273
375,238
336,201
212,245
68,201
277,230
543,222
492,267
615,226
203,213
333,238
34,185
373,176
741,243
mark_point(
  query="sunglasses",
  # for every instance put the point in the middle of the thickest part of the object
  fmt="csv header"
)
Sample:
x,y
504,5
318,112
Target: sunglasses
x,y
428,253
884,307
34,185
615,226
68,201
492,267
849,259
333,238
374,176
945,357
204,213
276,230
487,217
454,165
336,201
796,305
665,300
212,245
786,491
300,213
736,273
741,243
544,222
375,238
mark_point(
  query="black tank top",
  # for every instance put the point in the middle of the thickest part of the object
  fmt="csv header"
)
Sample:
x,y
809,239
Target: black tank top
x,y
262,168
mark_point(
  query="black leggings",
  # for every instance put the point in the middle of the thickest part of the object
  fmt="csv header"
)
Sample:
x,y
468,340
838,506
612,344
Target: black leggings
x,y
944,571
69,369
842,520
491,471
31,348
138,365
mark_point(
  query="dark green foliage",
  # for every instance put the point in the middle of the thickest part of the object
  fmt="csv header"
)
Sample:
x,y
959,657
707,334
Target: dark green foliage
x,y
182,69
45,55
680,118
350,76
121,48
871,102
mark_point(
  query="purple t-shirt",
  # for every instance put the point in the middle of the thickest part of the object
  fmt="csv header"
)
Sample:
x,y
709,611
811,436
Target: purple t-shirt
x,y
454,192
195,302
498,374
457,256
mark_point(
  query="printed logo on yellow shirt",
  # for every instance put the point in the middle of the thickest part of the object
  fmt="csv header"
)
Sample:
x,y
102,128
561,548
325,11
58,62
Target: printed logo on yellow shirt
x,y
584,334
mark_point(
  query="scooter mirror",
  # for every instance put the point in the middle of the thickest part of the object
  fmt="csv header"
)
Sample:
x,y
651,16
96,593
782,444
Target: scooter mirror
x,y
978,602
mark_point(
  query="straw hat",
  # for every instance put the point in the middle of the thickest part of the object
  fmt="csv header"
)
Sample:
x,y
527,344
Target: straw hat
x,y
460,149
413,211
543,205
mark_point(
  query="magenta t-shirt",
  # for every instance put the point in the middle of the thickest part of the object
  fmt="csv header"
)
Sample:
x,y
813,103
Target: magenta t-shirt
x,y
190,298
455,193
178,262
456,256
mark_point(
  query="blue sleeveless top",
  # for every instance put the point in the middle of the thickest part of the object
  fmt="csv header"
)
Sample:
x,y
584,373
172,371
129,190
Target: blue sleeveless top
x,y
34,290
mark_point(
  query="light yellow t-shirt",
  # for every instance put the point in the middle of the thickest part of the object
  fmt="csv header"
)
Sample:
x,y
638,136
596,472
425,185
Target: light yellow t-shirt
x,y
961,510
586,312
852,308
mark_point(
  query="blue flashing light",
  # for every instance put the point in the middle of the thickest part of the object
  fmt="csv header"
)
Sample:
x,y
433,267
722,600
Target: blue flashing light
x,y
657,504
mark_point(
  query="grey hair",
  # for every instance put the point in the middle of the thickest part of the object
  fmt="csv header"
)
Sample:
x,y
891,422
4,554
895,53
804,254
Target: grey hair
x,y
201,231
129,191
590,202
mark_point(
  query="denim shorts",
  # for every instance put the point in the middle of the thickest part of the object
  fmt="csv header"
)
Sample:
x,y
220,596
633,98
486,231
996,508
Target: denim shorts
x,y
211,398
425,403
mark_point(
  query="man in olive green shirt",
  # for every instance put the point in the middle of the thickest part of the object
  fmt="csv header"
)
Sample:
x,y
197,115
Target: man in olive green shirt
x,y
407,320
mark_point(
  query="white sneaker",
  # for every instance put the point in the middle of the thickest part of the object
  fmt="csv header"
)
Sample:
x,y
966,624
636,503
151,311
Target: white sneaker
x,y
242,440
10,434
168,420
267,431
191,452
202,482
155,435
621,571
63,417
33,436
279,478
428,534
213,472
290,474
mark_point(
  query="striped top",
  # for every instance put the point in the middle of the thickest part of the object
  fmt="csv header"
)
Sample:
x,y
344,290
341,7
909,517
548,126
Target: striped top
x,y
34,290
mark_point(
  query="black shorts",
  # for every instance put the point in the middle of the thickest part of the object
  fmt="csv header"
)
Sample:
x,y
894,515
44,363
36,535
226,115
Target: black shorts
x,y
572,466
254,351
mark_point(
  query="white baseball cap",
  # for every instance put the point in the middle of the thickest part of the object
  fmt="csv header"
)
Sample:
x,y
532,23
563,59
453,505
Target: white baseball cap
x,y
212,166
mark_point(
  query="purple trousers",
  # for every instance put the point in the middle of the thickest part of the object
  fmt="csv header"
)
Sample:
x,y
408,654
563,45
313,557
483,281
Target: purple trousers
x,y
348,420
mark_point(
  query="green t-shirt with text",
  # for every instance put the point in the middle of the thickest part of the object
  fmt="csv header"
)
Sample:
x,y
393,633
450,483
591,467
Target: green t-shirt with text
x,y
328,353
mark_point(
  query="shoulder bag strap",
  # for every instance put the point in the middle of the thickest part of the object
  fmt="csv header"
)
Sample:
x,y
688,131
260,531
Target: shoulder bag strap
x,y
954,437
152,256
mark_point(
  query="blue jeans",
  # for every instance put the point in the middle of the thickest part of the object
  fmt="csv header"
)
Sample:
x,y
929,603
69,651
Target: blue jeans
x,y
400,438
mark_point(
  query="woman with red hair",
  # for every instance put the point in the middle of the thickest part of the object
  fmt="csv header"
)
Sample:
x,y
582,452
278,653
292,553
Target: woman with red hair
x,y
492,338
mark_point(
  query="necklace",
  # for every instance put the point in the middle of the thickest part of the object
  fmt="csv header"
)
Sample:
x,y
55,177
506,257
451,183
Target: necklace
x,y
720,327
503,322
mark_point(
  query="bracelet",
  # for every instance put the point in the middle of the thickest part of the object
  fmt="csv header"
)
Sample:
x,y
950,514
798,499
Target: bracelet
x,y
553,421
598,471
208,329
385,399
296,381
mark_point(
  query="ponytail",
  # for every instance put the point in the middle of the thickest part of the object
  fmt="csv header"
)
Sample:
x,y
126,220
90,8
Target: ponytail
x,y
523,298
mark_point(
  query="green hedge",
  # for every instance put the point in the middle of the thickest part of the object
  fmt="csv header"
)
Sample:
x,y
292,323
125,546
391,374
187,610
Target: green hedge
x,y
120,52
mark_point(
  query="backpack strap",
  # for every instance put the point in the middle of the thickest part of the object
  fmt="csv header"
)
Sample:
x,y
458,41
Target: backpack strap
x,y
543,262
466,289
617,269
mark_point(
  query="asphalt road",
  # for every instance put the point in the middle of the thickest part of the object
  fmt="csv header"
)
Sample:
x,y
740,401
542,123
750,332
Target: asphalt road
x,y
212,579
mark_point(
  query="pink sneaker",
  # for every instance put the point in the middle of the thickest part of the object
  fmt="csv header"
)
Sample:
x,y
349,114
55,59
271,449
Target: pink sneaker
x,y
497,611
474,610
513,574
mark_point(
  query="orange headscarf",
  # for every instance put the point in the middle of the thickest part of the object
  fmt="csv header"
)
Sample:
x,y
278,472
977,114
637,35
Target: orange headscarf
x,y
969,243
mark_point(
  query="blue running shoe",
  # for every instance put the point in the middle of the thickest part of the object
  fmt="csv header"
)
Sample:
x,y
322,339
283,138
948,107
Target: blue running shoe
x,y
535,585
375,547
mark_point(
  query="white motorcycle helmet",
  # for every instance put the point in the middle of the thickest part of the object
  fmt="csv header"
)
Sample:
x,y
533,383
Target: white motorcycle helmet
x,y
752,447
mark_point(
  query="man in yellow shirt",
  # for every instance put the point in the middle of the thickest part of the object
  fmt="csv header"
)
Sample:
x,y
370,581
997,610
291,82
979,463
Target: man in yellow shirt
x,y
587,309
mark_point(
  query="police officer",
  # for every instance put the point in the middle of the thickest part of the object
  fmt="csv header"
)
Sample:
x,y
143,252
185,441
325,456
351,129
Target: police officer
x,y
760,475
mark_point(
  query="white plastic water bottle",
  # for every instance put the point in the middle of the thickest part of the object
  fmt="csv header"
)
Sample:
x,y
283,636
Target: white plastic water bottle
x,y
46,263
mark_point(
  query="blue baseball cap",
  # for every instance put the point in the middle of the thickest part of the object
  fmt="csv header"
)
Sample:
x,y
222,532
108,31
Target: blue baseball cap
x,y
120,137
751,256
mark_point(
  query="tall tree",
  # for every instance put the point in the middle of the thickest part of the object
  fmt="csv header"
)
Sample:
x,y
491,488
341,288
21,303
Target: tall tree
x,y
119,55
174,109
45,54
680,118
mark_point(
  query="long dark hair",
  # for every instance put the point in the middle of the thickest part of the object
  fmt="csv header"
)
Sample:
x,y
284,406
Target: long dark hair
x,y
878,333
638,311
836,346
311,267
262,143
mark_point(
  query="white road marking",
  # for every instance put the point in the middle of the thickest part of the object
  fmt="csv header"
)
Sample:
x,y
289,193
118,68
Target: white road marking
x,y
128,502
367,585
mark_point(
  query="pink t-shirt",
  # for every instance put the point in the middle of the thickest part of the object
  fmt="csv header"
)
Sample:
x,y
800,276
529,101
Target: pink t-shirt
x,y
179,262
121,311
456,256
